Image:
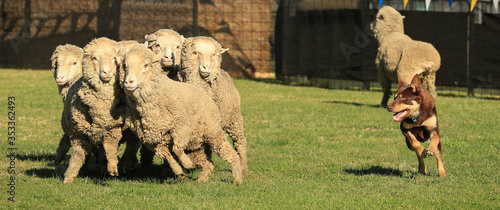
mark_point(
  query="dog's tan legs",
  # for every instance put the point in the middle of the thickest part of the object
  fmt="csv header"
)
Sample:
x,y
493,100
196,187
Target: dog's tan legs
x,y
435,150
421,153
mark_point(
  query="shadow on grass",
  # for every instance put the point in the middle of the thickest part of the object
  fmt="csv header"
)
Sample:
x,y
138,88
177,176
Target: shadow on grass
x,y
375,170
153,173
36,157
354,104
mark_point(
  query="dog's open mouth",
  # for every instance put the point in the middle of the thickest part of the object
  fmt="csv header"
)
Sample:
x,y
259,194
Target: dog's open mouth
x,y
400,116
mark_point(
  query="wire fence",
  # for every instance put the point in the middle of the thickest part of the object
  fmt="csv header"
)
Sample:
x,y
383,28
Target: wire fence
x,y
31,29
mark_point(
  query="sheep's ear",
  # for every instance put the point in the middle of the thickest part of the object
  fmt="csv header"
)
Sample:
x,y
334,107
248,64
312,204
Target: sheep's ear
x,y
403,17
381,17
189,44
223,50
415,83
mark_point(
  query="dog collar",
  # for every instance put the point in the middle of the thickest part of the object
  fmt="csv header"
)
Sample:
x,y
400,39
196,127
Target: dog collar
x,y
414,120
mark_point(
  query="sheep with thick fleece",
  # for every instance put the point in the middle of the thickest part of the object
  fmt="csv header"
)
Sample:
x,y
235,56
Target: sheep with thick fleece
x,y
399,55
170,116
95,114
201,65
168,43
67,70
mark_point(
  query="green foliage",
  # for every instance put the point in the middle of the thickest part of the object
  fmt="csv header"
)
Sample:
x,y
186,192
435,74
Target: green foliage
x,y
309,148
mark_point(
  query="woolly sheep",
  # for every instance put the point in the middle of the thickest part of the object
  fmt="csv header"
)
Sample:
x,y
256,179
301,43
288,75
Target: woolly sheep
x,y
127,44
67,70
172,116
146,155
201,60
168,43
95,115
399,55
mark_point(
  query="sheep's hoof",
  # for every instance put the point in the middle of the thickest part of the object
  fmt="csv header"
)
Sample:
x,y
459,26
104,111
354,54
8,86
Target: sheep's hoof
x,y
68,180
244,172
182,177
237,182
113,170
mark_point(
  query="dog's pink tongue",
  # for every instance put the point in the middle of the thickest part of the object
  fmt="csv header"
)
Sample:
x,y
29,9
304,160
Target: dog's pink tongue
x,y
398,117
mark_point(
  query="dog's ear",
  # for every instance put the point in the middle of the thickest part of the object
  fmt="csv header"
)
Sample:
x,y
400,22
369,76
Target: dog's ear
x,y
402,83
415,84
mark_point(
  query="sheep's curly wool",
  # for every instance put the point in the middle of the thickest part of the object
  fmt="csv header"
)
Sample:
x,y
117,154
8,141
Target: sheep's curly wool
x,y
399,55
67,70
96,112
168,43
201,65
172,116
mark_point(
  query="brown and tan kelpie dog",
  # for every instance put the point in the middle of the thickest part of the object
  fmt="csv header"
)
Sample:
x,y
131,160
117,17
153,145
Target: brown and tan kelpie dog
x,y
415,109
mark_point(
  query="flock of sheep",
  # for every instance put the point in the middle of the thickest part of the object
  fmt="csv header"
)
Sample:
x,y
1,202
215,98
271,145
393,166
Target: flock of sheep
x,y
168,95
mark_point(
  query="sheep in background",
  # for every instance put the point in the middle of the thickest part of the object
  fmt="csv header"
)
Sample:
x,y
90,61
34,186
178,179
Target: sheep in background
x,y
399,55
172,116
127,44
95,114
168,43
201,60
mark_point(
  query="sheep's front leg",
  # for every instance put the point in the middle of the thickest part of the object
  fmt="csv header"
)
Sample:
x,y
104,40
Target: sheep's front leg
x,y
130,154
223,149
62,149
110,143
163,152
236,132
180,139
385,83
204,163
80,150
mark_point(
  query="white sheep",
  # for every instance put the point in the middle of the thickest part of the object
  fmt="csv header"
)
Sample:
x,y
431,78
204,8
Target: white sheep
x,y
95,114
67,70
168,43
400,56
172,116
201,65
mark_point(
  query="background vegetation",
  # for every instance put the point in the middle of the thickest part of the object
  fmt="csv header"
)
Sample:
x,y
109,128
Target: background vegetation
x,y
309,148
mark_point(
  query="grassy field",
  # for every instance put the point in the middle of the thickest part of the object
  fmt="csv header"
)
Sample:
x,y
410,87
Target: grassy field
x,y
309,148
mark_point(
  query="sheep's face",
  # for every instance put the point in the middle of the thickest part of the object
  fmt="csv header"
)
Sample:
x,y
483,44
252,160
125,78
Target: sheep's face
x,y
105,63
67,67
138,69
388,20
208,56
170,48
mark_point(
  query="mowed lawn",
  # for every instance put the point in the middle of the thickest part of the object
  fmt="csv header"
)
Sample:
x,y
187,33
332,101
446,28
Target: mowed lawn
x,y
309,148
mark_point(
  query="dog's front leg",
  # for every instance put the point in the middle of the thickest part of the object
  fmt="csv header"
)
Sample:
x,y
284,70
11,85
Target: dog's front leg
x,y
435,150
419,150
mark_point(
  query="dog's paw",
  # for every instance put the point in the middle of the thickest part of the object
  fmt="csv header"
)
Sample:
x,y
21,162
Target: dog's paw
x,y
429,153
424,153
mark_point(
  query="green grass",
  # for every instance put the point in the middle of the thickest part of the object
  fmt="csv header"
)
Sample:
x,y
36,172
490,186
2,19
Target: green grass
x,y
309,148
